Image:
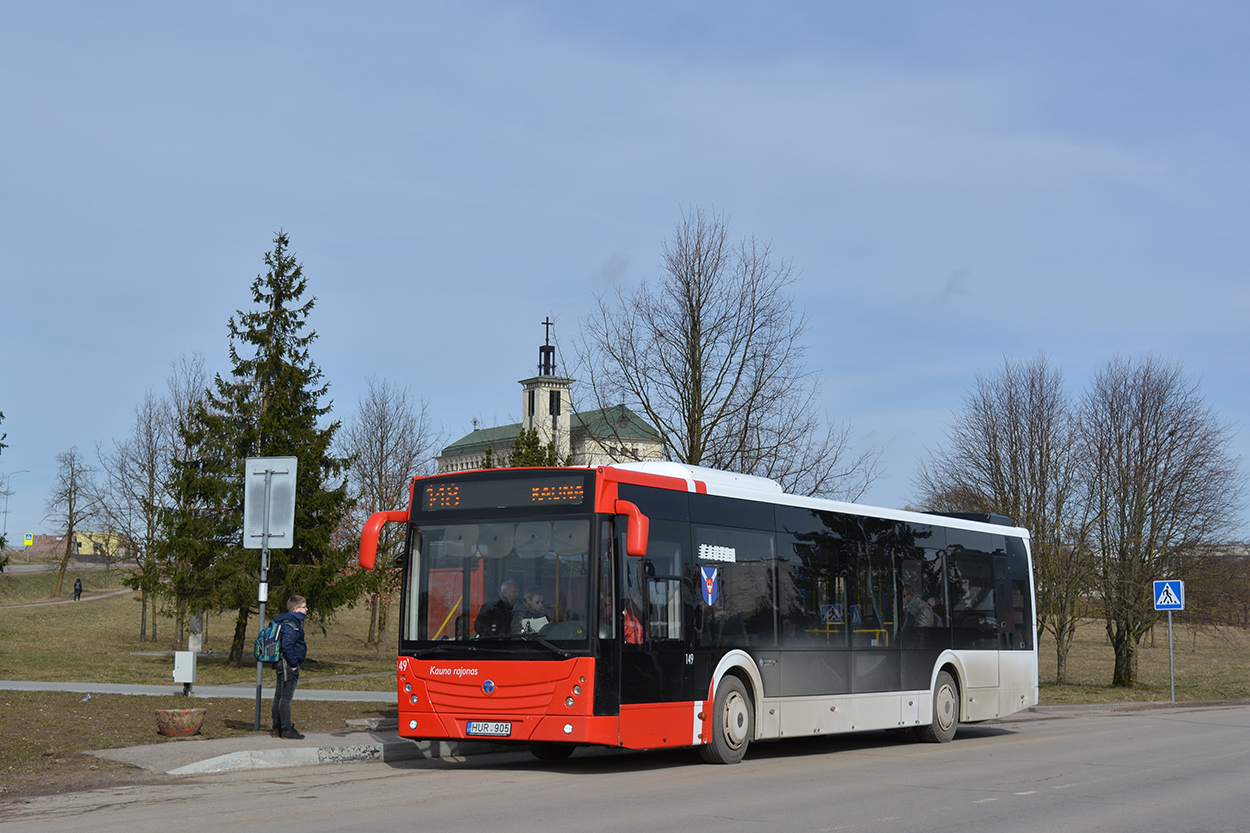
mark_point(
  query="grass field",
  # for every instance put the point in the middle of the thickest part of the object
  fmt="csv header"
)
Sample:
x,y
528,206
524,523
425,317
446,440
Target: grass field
x,y
97,639
1209,666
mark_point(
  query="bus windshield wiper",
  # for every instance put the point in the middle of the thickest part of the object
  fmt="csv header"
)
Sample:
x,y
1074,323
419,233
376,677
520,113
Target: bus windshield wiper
x,y
496,643
551,646
449,646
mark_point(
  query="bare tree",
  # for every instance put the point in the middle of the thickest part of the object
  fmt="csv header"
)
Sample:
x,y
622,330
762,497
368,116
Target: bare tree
x,y
138,471
74,501
1163,487
4,559
1012,450
712,355
389,441
1217,593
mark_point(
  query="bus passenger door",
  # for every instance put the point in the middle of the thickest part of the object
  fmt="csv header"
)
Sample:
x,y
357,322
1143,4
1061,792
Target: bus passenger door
x,y
653,598
1002,596
973,590
608,656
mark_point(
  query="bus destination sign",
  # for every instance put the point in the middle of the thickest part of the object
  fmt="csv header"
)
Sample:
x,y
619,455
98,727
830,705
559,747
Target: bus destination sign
x,y
502,494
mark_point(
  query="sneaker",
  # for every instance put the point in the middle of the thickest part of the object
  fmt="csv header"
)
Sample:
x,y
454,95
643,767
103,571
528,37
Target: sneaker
x,y
291,734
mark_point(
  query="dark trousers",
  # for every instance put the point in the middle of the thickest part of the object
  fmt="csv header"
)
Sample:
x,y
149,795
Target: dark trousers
x,y
288,678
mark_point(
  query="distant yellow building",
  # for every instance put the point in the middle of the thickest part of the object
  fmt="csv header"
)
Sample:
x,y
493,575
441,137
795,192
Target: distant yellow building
x,y
88,546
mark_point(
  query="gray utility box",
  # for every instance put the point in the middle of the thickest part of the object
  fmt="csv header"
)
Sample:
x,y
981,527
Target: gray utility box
x,y
184,667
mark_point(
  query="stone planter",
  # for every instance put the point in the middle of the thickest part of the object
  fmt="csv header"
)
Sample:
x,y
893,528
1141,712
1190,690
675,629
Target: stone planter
x,y
179,723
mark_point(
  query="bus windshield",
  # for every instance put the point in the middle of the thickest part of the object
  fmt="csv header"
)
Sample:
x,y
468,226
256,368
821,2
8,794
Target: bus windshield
x,y
500,581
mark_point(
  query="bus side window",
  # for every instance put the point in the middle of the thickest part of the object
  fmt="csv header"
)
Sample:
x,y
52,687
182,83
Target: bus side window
x,y
607,596
1020,604
974,611
737,570
633,598
651,586
1021,598
811,592
662,569
872,611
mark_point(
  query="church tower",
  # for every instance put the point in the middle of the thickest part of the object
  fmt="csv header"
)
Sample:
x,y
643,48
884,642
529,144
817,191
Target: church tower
x,y
545,402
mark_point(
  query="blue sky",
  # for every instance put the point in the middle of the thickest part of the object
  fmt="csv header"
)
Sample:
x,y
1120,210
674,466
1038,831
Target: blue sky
x,y
955,183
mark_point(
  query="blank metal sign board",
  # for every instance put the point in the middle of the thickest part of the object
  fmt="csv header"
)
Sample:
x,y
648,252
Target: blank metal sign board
x,y
281,503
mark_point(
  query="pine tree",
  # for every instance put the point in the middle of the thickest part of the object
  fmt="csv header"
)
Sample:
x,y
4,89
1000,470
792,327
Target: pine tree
x,y
270,406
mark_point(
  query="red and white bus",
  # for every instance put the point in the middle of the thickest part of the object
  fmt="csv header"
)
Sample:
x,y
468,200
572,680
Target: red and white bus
x,y
654,605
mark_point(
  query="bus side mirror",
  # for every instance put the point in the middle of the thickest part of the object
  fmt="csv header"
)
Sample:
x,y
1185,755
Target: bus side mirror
x,y
373,529
636,531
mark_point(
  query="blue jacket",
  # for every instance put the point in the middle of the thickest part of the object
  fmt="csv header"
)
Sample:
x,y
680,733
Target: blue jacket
x,y
291,638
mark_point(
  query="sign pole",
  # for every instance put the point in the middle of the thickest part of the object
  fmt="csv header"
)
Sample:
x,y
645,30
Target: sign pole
x,y
268,523
263,591
1171,661
1170,595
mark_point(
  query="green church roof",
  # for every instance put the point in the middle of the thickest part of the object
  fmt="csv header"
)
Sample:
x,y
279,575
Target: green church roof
x,y
613,422
475,442
617,421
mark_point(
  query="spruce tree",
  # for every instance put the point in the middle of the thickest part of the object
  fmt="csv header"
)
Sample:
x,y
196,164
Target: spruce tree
x,y
273,404
528,450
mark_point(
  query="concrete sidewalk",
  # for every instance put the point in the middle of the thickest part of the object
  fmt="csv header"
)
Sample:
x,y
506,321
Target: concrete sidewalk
x,y
200,756
364,741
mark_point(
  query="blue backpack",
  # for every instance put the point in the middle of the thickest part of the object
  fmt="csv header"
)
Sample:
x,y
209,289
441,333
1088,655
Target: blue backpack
x,y
266,647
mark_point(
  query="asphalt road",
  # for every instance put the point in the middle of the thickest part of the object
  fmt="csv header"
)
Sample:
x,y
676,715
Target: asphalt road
x,y
1108,770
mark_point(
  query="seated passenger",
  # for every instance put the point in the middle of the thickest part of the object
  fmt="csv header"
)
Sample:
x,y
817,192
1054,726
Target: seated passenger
x,y
496,618
918,613
529,616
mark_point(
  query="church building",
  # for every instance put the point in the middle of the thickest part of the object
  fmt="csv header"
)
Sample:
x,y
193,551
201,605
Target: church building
x,y
589,438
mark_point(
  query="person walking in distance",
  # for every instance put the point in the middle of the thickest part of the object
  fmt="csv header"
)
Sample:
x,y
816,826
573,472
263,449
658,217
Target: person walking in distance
x,y
291,653
77,589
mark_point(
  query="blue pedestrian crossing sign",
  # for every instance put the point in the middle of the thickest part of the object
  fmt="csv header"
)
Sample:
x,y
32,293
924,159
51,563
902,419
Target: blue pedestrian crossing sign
x,y
1170,595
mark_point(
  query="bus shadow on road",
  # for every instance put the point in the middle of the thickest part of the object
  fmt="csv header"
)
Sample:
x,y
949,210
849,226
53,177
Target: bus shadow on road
x,y
603,761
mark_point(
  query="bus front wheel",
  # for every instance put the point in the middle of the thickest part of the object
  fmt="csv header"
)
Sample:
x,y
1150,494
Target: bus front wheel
x,y
551,751
945,711
733,724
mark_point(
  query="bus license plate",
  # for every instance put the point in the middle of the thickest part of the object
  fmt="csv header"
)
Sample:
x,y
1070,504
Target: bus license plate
x,y
494,730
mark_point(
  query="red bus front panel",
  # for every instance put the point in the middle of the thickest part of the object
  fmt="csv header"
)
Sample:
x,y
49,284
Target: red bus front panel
x,y
467,699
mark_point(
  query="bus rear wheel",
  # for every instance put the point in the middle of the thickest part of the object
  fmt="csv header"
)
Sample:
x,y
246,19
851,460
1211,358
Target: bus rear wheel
x,y
945,711
733,724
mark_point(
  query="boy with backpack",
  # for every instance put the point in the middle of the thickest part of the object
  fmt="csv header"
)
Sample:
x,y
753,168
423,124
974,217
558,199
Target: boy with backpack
x,y
291,653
